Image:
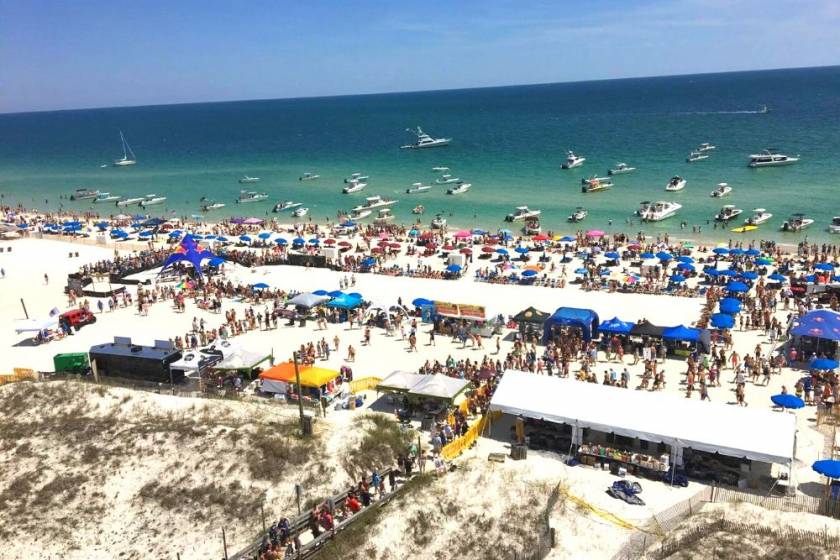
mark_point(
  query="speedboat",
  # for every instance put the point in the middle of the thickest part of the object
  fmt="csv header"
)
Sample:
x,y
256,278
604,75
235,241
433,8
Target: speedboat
x,y
212,206
621,168
676,183
834,226
771,158
308,177
105,197
354,186
356,177
419,209
375,201
595,184
522,213
760,215
532,227
447,179
285,205
660,210
438,222
152,200
644,206
251,196
705,147
696,156
383,217
425,141
796,222
573,161
728,212
721,190
84,194
440,169
128,154
418,188
459,188
578,215
248,180
129,202
300,212
357,214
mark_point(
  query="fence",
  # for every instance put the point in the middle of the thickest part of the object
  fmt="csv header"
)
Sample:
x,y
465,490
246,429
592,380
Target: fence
x,y
544,541
461,444
18,374
364,384
796,504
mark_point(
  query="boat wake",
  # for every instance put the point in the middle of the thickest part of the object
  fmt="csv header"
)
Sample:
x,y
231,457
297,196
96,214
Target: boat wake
x,y
760,111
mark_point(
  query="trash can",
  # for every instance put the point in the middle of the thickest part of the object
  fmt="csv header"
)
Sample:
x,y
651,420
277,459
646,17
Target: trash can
x,y
71,363
307,425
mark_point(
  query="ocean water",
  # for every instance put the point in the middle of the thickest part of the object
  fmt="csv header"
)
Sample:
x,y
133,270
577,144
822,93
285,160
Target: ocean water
x,y
508,142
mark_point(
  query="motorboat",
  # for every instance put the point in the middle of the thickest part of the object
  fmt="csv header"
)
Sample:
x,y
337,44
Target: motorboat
x,y
621,168
661,210
705,147
834,226
383,217
375,201
129,201
796,222
308,177
573,161
300,212
644,206
418,188
771,158
105,197
356,177
210,206
440,169
594,179
522,213
696,156
152,200
251,196
425,141
595,184
246,180
727,213
354,186
578,215
419,209
128,154
676,183
460,188
357,214
438,222
84,194
721,190
285,205
759,216
447,179
532,227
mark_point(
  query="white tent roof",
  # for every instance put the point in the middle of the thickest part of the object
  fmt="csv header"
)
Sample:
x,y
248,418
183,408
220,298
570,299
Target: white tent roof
x,y
308,299
439,386
401,380
761,435
242,359
35,325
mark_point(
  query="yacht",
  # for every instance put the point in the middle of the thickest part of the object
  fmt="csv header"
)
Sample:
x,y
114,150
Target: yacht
x,y
354,186
300,212
152,200
578,215
661,210
84,194
248,180
251,196
375,201
425,141
532,227
308,177
209,206
796,222
705,147
696,156
447,179
438,222
595,184
728,212
357,178
759,216
105,197
522,213
771,158
357,214
834,226
285,205
676,183
721,190
129,202
383,217
419,209
460,188
573,161
418,188
128,154
621,168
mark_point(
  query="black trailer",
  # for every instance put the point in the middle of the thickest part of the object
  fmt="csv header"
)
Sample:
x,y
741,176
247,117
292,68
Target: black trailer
x,y
126,360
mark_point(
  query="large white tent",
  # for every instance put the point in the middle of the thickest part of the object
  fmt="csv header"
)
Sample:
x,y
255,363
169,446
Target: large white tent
x,y
760,435
430,386
400,381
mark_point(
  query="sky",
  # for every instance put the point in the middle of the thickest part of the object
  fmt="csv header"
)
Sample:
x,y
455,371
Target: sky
x,y
96,53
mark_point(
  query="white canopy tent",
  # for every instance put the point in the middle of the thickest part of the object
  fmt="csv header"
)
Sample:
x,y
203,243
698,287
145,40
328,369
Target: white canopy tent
x,y
400,381
759,435
439,387
36,325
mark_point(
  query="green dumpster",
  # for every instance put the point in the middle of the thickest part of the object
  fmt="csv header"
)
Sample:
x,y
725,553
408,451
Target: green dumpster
x,y
72,363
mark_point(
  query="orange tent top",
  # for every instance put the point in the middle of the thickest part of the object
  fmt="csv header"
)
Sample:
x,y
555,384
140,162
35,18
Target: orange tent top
x,y
309,376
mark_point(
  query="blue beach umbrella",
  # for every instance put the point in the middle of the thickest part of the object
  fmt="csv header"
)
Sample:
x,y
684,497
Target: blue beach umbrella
x,y
314,241
777,277
727,272
723,321
222,239
824,266
612,255
720,251
737,287
678,278
823,363
298,241
245,238
811,278
736,252
713,272
264,235
522,250
260,286
787,401
685,266
581,271
281,241
752,252
478,231
119,233
453,268
749,275
419,302
763,261
216,261
502,251
529,273
146,233
567,239
729,305
647,255
827,467
174,234
663,256
685,259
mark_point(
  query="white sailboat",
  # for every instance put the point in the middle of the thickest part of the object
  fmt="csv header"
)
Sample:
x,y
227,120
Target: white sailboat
x,y
127,151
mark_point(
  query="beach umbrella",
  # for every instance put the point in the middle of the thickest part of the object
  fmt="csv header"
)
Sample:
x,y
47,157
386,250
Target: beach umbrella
x,y
736,252
419,302
211,236
722,321
647,255
298,241
196,236
567,239
377,250
777,277
329,242
466,251
827,467
314,241
396,246
146,233
529,273
595,233
787,401
823,363
119,233
281,241
763,261
245,238
737,287
222,239
174,234
612,255
713,272
541,237
264,235
463,234
685,259
685,266
413,232
663,256
720,251
824,266
488,249
749,275
502,251
344,244
453,268
320,292
216,261
727,272
522,250
478,231
752,252
260,286
581,271
448,247
678,278
729,305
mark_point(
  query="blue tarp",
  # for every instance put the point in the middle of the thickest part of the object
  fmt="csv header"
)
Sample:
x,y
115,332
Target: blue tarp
x,y
821,323
585,319
345,301
616,325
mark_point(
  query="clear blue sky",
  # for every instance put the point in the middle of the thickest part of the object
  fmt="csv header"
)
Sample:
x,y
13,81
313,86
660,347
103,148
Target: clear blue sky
x,y
98,53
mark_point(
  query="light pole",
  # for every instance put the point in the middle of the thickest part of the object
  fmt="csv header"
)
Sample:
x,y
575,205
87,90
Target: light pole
x,y
300,394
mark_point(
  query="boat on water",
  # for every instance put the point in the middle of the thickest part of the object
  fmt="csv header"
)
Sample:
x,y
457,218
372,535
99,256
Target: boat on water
x,y
796,222
440,169
84,194
210,206
759,216
419,209
621,168
532,227
300,212
834,226
425,141
356,177
308,177
676,183
246,180
705,147
595,184
696,156
152,200
354,186
285,205
375,201
105,197
721,190
771,157
460,188
447,179
522,213
727,213
578,215
573,161
128,154
356,214
418,188
251,196
384,216
123,202
658,211
438,222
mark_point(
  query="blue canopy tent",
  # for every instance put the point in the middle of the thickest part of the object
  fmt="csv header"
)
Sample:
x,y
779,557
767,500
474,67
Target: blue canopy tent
x,y
700,337
722,321
729,305
584,319
827,467
616,326
419,302
335,293
345,301
824,364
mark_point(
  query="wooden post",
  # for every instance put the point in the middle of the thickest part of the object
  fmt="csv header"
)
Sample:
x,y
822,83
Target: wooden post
x,y
24,308
224,543
300,394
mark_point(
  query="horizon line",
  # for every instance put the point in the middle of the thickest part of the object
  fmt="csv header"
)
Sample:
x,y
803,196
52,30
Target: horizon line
x,y
419,91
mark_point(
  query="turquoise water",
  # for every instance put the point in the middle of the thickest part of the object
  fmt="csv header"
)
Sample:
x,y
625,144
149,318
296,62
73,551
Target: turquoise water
x,y
508,142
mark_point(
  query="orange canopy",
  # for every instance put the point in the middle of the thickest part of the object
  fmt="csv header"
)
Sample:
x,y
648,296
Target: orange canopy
x,y
309,376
